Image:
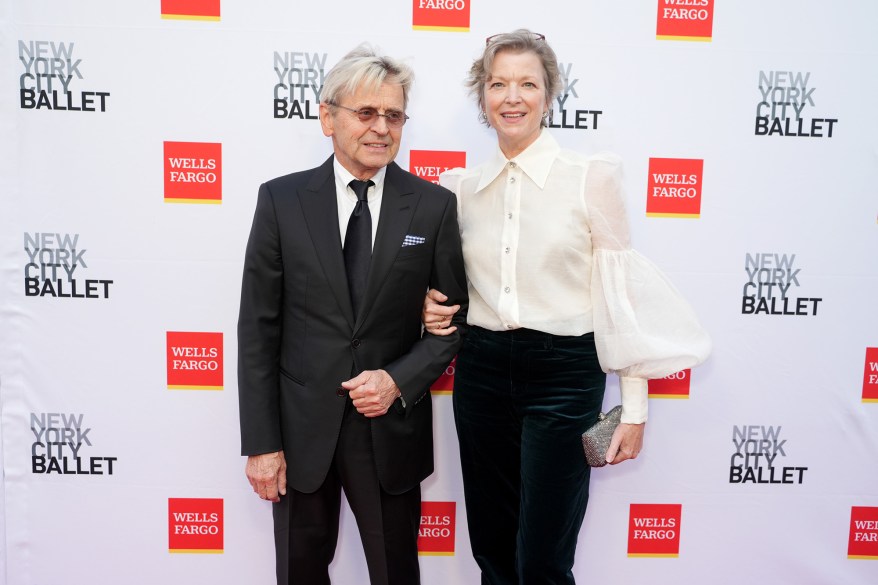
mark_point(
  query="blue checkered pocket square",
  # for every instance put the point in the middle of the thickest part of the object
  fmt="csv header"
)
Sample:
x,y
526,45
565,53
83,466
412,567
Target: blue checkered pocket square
x,y
413,241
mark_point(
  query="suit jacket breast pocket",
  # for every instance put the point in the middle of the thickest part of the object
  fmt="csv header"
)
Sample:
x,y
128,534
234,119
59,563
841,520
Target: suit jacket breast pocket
x,y
418,252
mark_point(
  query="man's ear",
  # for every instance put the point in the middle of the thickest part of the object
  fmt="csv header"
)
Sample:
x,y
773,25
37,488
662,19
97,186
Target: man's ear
x,y
326,119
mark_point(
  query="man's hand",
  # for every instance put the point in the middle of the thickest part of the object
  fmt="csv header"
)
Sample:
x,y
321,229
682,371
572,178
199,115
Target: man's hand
x,y
626,443
267,474
373,391
436,317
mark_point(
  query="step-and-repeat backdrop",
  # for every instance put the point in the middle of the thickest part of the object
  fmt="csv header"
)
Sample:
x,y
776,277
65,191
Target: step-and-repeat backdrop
x,y
135,135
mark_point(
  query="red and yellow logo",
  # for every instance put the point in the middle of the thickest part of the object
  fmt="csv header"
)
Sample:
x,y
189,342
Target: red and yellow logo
x,y
684,20
195,525
191,9
447,15
654,530
429,164
436,533
674,187
445,383
195,360
870,376
674,386
193,172
863,540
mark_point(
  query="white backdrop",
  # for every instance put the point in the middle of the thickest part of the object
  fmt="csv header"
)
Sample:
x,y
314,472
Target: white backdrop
x,y
96,178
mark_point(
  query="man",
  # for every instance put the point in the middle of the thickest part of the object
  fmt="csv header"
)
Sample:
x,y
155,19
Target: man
x,y
333,373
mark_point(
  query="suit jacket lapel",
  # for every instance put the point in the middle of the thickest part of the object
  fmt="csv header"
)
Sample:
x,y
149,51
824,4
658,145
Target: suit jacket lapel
x,y
320,209
398,204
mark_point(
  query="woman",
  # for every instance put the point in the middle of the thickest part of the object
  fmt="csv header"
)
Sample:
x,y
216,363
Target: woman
x,y
557,297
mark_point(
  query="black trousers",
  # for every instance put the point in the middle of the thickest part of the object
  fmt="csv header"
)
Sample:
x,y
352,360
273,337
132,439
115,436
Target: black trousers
x,y
306,525
522,400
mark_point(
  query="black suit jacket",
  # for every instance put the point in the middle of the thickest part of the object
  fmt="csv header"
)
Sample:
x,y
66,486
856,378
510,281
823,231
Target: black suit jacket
x,y
297,338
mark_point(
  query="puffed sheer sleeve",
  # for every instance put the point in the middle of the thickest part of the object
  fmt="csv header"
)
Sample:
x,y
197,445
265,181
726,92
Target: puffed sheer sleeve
x,y
643,327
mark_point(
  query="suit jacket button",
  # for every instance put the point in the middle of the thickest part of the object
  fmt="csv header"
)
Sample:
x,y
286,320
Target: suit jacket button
x,y
355,343
339,391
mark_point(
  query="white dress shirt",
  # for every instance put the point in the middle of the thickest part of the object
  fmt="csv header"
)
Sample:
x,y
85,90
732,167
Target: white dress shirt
x,y
347,199
546,246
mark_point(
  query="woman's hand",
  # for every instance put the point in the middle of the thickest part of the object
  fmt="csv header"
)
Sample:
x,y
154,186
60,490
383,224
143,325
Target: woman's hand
x,y
436,317
626,443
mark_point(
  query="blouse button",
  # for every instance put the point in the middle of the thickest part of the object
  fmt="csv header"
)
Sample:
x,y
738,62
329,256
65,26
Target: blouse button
x,y
509,215
512,164
507,249
511,179
507,289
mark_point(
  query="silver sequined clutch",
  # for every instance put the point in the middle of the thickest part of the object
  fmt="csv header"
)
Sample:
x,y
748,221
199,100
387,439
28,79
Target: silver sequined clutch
x,y
596,440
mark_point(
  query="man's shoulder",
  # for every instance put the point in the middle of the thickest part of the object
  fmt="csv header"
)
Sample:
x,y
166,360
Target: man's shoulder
x,y
291,180
297,179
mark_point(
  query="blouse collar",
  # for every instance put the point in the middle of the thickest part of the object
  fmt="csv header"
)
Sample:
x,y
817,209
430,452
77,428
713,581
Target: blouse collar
x,y
535,161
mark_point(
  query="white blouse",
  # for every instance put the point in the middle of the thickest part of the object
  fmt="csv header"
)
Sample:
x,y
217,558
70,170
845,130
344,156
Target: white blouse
x,y
547,247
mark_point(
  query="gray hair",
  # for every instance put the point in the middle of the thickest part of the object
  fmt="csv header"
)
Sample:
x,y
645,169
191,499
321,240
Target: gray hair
x,y
364,67
518,41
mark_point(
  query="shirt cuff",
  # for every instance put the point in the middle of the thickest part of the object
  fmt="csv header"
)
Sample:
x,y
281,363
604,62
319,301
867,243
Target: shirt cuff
x,y
635,400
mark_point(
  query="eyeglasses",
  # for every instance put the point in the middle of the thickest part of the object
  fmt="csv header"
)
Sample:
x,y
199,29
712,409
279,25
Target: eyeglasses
x,y
534,36
393,118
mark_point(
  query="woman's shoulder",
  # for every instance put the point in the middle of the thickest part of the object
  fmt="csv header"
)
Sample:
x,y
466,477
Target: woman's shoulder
x,y
463,171
606,156
453,178
603,157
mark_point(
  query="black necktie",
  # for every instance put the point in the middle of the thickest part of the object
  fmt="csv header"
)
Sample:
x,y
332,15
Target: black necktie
x,y
358,244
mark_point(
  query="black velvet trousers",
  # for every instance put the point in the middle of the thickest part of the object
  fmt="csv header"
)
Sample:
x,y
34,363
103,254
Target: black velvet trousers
x,y
522,400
